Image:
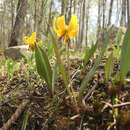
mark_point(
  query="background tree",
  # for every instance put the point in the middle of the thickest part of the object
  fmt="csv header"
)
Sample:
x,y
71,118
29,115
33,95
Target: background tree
x,y
110,12
128,11
99,19
18,28
63,7
87,20
123,14
103,19
37,15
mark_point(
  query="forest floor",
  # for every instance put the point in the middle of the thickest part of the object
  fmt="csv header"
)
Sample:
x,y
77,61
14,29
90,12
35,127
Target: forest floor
x,y
41,112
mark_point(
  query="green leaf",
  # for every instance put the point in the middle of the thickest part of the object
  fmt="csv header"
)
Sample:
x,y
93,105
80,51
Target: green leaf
x,y
109,67
119,36
125,54
89,53
43,66
92,71
116,51
49,48
12,66
1,88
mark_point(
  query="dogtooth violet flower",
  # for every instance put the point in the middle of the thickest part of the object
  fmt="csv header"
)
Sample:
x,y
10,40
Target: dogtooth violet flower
x,y
63,31
31,41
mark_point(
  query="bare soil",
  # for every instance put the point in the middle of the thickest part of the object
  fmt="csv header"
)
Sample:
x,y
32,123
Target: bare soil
x,y
57,113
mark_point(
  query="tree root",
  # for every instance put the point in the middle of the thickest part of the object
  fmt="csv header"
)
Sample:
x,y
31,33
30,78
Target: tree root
x,y
15,115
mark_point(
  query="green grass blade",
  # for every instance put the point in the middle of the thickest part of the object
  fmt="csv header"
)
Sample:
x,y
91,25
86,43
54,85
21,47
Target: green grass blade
x,y
43,66
89,53
25,121
92,71
125,54
109,67
119,36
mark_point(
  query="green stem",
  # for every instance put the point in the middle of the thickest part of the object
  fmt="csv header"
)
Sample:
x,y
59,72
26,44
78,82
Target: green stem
x,y
69,77
61,67
115,101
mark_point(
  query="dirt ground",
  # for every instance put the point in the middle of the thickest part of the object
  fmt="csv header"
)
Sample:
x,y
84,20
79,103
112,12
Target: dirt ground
x,y
57,113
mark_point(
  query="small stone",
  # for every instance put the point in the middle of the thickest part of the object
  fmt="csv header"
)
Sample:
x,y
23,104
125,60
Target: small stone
x,y
17,52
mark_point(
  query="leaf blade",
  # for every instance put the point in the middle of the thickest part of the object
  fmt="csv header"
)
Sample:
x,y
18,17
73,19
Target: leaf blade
x,y
109,67
125,54
43,66
92,71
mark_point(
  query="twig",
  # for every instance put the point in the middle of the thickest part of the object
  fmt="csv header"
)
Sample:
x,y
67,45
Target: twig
x,y
81,122
10,99
120,105
74,74
15,115
111,125
116,105
75,116
87,95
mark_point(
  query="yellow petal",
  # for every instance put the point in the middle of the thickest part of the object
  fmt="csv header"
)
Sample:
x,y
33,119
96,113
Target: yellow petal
x,y
25,39
73,33
59,26
32,38
73,22
39,43
61,23
55,28
73,27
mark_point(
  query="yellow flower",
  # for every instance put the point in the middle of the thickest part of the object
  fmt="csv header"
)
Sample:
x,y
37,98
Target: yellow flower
x,y
31,41
39,43
25,39
64,31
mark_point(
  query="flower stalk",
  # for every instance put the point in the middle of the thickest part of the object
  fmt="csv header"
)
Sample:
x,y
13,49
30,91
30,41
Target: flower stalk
x,y
61,67
66,33
69,74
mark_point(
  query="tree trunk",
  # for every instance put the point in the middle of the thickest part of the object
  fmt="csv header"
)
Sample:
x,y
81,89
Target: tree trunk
x,y
123,14
17,32
74,6
67,9
49,19
103,22
110,13
36,16
78,45
12,14
128,11
75,9
70,11
87,17
83,25
41,19
62,7
3,25
99,18
104,6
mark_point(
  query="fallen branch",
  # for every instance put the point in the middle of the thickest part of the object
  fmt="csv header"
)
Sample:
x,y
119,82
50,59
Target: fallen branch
x,y
13,98
88,94
116,105
120,105
15,115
